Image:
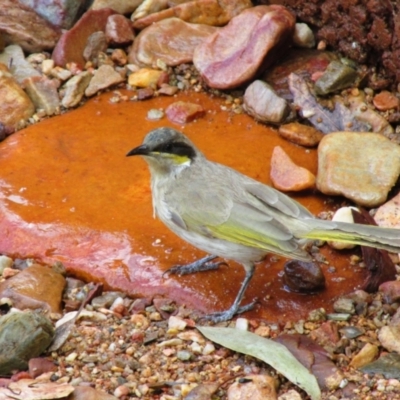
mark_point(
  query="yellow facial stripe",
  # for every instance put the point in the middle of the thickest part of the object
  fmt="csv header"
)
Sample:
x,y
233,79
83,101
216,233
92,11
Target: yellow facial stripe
x,y
174,157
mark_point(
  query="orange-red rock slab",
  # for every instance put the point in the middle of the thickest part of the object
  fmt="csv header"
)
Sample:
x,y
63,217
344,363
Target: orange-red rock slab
x,y
69,194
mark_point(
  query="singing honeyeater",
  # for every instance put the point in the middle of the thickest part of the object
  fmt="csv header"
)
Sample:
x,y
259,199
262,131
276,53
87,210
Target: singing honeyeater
x,y
230,215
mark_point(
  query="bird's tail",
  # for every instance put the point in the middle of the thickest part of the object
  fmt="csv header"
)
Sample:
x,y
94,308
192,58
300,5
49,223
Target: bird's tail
x,y
364,235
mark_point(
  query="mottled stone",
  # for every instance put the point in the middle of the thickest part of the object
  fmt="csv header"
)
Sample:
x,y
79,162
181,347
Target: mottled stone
x,y
104,77
149,7
22,26
385,101
256,387
22,336
182,112
208,12
43,92
182,39
60,13
96,44
119,30
15,106
389,337
365,356
235,54
121,7
303,135
388,214
288,176
358,165
13,56
75,89
72,43
262,103
144,77
36,287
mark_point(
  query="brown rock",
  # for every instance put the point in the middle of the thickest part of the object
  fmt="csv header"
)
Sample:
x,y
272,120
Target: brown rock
x,y
327,334
43,92
365,356
182,112
385,101
346,159
15,106
237,52
121,7
38,366
35,287
21,25
256,387
119,30
208,12
300,134
72,43
103,78
95,45
286,175
302,276
182,39
145,77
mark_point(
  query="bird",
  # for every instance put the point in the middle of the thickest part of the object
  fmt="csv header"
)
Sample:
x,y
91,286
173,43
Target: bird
x,y
230,215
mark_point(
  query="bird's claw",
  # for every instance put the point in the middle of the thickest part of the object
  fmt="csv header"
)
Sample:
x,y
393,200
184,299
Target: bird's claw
x,y
204,264
226,315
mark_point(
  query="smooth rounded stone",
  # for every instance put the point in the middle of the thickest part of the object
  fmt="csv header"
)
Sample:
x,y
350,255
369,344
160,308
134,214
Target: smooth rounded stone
x,y
360,166
303,135
121,7
263,104
144,77
257,387
20,68
388,214
119,30
344,305
389,337
385,101
182,38
103,77
15,107
72,43
352,332
207,12
343,214
5,262
60,13
288,176
36,287
235,54
302,276
44,94
337,76
23,335
21,25
182,112
365,356
149,7
303,36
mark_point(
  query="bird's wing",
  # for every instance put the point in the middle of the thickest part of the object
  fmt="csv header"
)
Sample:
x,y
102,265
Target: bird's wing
x,y
222,213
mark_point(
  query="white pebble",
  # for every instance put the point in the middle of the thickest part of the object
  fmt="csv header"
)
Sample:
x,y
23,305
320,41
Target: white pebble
x,y
242,324
5,262
208,349
176,323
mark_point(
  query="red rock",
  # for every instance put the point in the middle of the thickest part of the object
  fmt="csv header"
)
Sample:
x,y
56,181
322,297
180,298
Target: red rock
x,y
250,42
119,30
182,39
286,175
72,43
385,101
21,25
182,112
303,135
207,12
38,366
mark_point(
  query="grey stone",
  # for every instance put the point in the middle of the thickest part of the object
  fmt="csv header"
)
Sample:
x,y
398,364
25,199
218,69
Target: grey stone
x,y
75,89
103,78
343,305
336,76
23,335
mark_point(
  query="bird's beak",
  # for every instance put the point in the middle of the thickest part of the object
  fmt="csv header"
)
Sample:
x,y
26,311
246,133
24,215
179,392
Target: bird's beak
x,y
142,150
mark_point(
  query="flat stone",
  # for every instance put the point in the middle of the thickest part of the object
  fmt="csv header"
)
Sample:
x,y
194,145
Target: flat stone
x,y
36,287
75,89
389,337
303,135
70,47
103,77
207,12
15,107
23,336
182,39
360,166
256,387
365,356
385,101
235,54
21,25
288,176
182,112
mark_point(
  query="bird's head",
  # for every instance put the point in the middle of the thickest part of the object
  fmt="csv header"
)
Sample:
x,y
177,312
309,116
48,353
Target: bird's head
x,y
166,149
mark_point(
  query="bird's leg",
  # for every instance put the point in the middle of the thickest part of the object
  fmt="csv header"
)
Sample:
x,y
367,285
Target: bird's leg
x,y
204,264
235,308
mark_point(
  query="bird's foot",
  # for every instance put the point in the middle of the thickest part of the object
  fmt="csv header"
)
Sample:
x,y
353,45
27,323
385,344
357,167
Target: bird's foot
x,y
204,264
226,315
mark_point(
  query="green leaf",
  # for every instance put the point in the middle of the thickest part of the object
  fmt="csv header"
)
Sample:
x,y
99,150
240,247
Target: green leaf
x,y
269,351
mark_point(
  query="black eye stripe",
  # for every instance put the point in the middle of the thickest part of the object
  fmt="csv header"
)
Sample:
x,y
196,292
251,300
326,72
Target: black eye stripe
x,y
178,148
